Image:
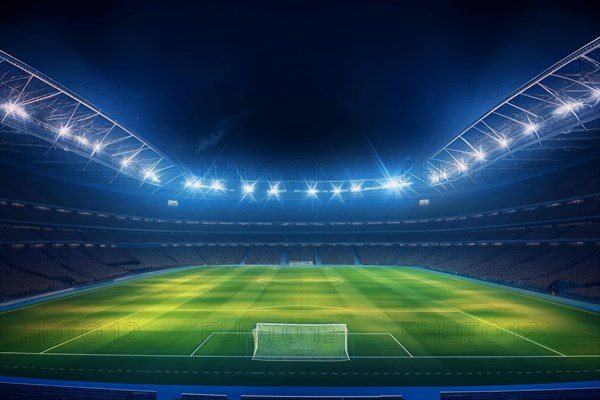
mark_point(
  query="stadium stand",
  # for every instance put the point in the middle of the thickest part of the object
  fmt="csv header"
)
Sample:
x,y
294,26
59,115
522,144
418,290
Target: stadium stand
x,y
21,391
549,394
192,396
263,254
336,255
301,253
255,397
551,246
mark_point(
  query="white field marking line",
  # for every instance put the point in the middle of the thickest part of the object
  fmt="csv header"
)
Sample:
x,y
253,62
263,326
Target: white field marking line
x,y
202,344
516,292
124,355
282,308
93,330
400,344
514,333
321,309
233,356
263,281
250,333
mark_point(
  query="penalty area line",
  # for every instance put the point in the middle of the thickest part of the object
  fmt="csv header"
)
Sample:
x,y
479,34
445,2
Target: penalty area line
x,y
24,353
400,344
514,333
202,344
93,330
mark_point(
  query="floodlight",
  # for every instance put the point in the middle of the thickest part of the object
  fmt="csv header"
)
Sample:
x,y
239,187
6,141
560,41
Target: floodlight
x,y
392,183
337,190
568,107
64,131
15,109
355,188
82,140
396,183
217,185
312,191
97,147
125,162
462,167
479,155
503,142
151,175
274,190
248,188
531,128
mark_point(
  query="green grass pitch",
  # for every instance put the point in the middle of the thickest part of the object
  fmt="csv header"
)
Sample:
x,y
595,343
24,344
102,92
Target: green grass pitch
x,y
406,327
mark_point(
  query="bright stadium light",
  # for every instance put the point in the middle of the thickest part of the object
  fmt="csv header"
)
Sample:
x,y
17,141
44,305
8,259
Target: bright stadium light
x,y
82,140
355,188
392,183
503,142
396,183
217,185
461,166
192,183
337,190
248,188
479,155
596,94
125,162
15,110
531,128
97,147
568,107
274,190
312,191
64,131
151,176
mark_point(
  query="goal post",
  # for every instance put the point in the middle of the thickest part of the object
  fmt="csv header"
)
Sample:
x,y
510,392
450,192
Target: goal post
x,y
300,342
300,263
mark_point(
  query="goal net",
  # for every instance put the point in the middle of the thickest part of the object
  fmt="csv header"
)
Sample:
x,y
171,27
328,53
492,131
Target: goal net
x,y
300,342
300,263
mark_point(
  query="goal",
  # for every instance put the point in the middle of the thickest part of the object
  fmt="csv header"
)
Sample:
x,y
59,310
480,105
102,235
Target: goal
x,y
300,263
300,342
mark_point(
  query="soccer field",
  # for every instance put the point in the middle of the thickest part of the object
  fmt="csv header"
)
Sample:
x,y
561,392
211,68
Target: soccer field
x,y
406,327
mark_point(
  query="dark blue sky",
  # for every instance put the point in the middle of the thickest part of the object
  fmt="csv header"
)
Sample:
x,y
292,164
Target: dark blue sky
x,y
286,81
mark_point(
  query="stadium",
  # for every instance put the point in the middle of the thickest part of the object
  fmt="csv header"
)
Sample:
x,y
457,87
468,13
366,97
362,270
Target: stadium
x,y
468,272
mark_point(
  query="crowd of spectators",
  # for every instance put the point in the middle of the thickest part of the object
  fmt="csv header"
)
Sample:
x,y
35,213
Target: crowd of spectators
x,y
31,270
337,255
552,245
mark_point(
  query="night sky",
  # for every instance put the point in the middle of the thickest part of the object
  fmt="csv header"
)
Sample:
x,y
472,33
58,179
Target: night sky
x,y
324,82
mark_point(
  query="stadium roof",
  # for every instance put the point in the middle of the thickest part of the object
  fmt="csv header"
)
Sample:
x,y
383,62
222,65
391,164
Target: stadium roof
x,y
542,121
34,104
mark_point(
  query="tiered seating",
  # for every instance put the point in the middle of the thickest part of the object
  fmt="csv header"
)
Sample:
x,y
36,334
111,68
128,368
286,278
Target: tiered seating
x,y
336,255
86,265
300,253
20,391
263,255
16,282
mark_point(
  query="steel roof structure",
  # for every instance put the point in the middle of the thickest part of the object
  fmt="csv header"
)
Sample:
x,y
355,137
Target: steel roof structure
x,y
34,104
550,115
